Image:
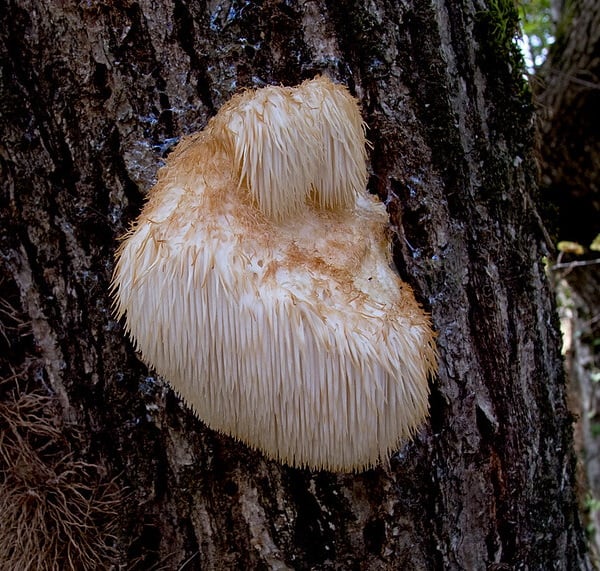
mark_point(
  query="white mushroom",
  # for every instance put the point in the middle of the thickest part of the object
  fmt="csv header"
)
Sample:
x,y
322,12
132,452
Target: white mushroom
x,y
258,282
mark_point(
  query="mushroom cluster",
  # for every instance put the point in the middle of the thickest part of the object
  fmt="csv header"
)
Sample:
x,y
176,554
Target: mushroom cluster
x,y
258,281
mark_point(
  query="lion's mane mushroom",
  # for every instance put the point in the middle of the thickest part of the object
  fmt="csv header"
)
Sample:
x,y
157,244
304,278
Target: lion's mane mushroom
x,y
257,281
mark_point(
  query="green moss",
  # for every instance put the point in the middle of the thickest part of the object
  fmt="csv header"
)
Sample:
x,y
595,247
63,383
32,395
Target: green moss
x,y
504,22
500,28
497,30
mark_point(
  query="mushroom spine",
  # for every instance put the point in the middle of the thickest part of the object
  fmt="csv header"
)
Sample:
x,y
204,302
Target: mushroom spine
x,y
257,280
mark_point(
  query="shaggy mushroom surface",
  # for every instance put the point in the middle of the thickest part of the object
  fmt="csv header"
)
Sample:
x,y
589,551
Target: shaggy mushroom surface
x,y
258,281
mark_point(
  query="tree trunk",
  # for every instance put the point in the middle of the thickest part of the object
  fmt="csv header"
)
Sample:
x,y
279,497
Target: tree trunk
x,y
568,96
94,96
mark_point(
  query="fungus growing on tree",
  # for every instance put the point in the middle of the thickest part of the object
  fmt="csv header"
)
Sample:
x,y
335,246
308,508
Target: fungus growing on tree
x,y
258,282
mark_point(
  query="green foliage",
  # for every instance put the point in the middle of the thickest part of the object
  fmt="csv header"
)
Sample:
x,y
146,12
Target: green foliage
x,y
595,430
591,506
538,29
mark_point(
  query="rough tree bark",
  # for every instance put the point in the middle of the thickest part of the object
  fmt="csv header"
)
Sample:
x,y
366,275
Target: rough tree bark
x,y
94,95
568,95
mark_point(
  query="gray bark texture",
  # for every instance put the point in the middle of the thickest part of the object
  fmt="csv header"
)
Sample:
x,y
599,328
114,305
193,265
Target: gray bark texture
x,y
93,97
